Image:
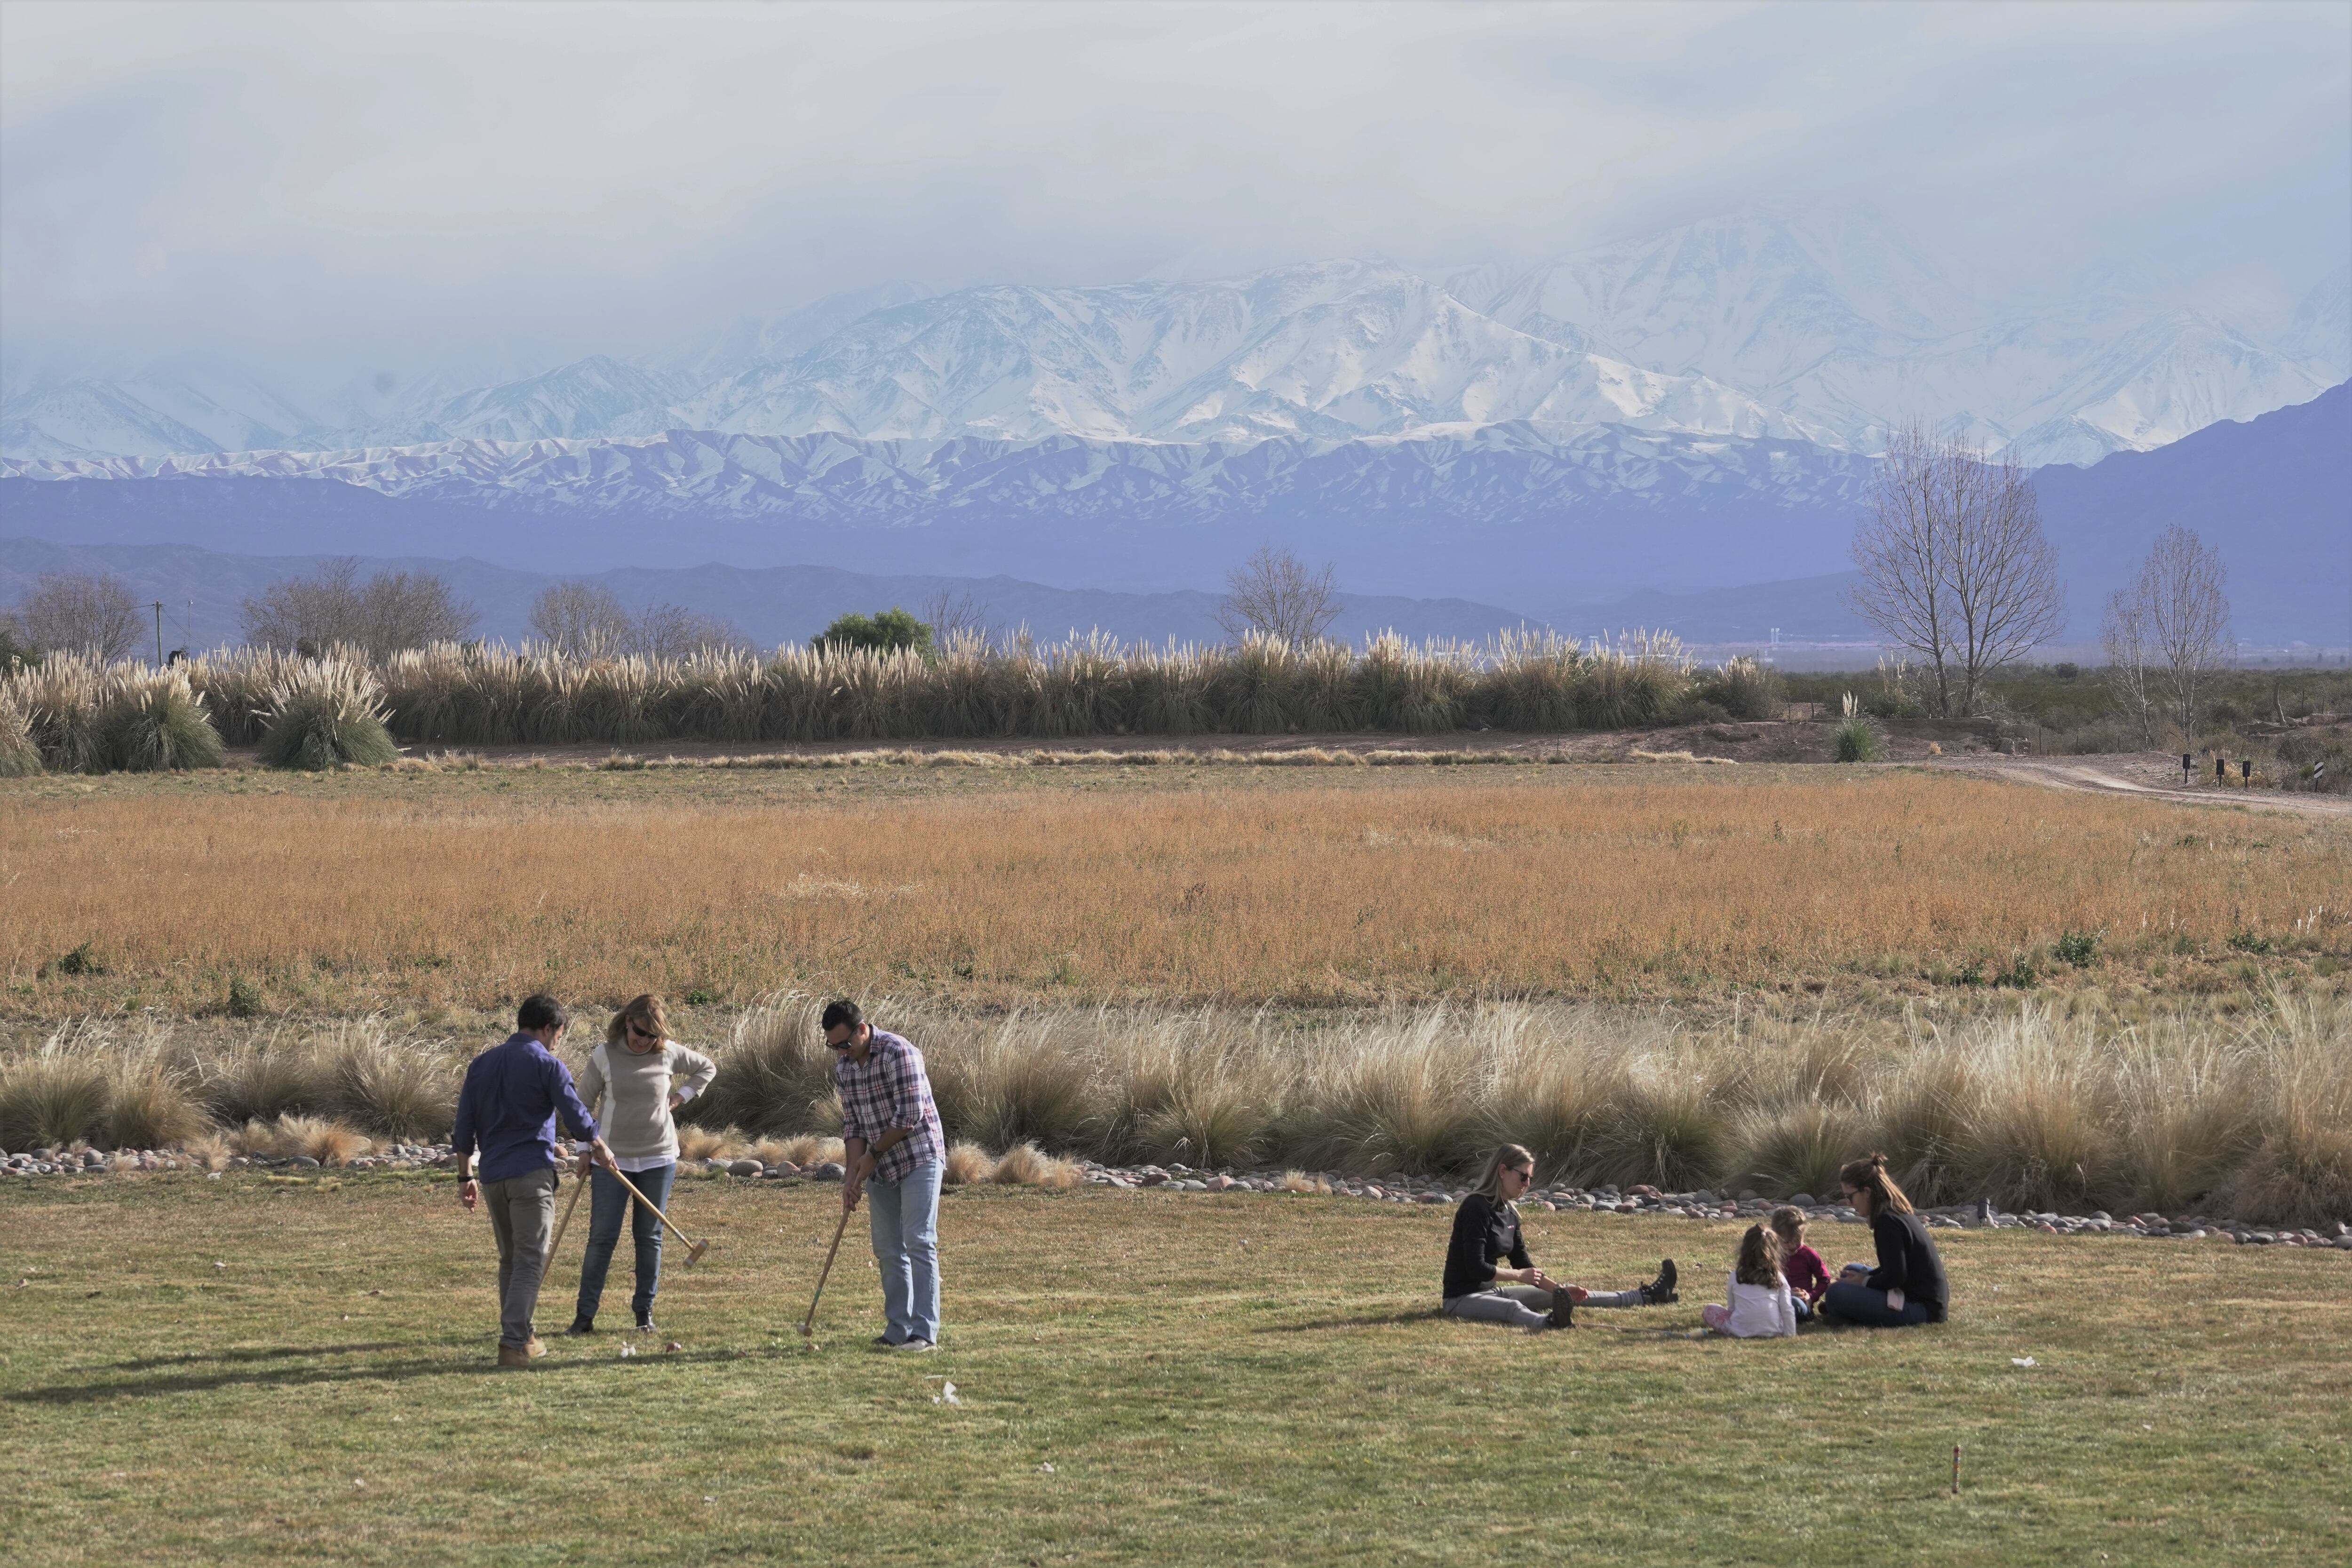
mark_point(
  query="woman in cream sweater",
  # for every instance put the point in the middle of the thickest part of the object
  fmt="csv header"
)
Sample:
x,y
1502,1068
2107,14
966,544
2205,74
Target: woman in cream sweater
x,y
635,1080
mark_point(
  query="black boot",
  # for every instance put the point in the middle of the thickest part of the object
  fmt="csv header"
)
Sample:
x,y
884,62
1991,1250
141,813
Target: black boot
x,y
1563,1310
581,1326
1660,1292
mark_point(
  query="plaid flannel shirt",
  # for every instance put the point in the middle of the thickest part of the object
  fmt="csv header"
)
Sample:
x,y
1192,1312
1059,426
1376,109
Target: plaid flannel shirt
x,y
889,1088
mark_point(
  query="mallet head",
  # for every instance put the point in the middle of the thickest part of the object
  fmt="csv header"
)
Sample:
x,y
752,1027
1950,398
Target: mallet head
x,y
694,1253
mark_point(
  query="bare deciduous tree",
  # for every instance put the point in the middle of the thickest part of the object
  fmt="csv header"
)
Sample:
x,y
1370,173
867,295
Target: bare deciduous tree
x,y
1954,564
2124,633
673,631
1274,594
953,617
2187,615
581,620
81,615
389,612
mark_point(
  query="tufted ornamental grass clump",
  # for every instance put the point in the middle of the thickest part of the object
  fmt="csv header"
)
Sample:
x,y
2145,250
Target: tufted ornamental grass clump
x,y
51,1096
2198,1112
153,720
20,755
326,713
1857,737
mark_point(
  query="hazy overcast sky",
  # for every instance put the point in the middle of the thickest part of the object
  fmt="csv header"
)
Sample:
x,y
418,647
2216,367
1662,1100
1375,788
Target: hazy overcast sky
x,y
316,184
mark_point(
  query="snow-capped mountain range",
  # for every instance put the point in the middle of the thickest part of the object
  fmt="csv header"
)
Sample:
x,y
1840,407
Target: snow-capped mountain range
x,y
1757,327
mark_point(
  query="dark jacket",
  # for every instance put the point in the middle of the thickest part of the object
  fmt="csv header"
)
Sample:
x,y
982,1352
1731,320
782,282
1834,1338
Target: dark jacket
x,y
1907,1261
507,1109
1484,1233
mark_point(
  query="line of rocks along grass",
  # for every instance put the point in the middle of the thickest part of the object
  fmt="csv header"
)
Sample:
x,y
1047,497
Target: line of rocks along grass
x,y
1608,1199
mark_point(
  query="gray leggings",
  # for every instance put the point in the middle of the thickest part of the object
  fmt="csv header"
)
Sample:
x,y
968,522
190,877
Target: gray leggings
x,y
1526,1306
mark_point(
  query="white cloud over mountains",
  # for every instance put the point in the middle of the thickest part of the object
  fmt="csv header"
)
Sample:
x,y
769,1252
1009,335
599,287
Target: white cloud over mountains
x,y
485,192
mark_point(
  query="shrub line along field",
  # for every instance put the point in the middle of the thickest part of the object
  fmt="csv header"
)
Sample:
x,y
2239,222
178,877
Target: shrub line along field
x,y
1309,886
300,1370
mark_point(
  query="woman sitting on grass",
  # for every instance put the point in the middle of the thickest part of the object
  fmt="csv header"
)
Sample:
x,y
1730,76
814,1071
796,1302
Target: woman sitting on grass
x,y
1907,1285
1490,1277
636,1078
1760,1306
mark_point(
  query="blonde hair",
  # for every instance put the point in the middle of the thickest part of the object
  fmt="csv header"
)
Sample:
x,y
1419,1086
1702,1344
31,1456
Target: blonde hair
x,y
1787,1223
646,1013
1759,1257
1868,1174
1509,1157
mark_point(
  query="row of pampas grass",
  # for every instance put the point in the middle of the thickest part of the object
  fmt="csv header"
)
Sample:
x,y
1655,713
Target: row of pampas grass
x,y
71,713
337,709
2250,1117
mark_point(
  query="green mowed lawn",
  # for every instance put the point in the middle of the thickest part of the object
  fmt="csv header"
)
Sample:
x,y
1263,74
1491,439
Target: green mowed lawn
x,y
248,1369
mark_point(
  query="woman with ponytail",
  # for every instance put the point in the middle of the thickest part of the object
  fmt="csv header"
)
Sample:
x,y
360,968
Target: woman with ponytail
x,y
1488,1273
1907,1287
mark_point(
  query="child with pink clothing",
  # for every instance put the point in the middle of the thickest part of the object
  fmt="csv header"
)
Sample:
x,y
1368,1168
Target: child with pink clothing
x,y
1807,1275
1760,1306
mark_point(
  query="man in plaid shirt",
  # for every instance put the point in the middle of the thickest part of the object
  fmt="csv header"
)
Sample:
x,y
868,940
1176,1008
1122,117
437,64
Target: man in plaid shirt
x,y
893,1153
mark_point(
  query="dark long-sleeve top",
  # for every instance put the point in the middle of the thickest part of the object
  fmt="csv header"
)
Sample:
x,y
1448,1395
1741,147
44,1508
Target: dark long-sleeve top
x,y
508,1110
1486,1232
1907,1261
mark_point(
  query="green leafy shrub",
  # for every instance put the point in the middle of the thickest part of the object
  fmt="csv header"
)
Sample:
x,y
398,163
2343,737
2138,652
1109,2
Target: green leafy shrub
x,y
885,631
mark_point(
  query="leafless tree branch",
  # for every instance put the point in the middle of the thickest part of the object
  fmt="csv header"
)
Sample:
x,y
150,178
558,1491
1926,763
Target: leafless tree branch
x,y
1274,594
1954,564
81,615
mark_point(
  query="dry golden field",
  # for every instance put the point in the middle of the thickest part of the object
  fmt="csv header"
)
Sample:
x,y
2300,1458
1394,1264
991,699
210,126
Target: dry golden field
x,y
460,891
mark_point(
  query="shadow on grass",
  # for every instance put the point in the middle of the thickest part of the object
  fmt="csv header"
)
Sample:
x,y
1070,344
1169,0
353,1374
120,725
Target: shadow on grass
x,y
255,1373
277,1353
1371,1321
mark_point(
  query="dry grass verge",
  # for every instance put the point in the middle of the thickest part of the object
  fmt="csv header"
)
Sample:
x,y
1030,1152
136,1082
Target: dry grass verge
x,y
2247,1116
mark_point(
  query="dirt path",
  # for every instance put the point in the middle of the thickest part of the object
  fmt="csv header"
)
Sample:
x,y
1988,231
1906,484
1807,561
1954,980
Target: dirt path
x,y
2150,774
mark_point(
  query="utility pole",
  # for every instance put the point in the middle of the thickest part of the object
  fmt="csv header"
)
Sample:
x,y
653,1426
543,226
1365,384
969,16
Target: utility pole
x,y
159,634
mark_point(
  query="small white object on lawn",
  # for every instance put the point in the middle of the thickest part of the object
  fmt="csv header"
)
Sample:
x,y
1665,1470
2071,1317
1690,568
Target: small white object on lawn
x,y
946,1395
628,1349
2021,1360
1047,1466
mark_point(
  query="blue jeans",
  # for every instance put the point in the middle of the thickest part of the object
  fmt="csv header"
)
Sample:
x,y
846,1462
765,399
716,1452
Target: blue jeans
x,y
607,1202
905,1217
1858,1303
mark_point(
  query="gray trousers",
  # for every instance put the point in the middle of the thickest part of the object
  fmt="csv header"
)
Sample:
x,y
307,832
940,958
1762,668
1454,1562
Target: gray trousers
x,y
523,1212
1526,1306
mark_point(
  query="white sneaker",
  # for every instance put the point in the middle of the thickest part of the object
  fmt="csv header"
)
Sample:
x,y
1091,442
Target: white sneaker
x,y
919,1346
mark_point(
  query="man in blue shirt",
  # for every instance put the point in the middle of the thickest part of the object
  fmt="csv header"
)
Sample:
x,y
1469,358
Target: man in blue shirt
x,y
506,1130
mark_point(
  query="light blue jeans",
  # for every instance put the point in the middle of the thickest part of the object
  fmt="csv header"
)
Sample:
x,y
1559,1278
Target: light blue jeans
x,y
608,1202
905,1217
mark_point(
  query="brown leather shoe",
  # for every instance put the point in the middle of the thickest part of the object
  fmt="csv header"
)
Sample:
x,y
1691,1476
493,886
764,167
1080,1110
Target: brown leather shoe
x,y
534,1350
513,1355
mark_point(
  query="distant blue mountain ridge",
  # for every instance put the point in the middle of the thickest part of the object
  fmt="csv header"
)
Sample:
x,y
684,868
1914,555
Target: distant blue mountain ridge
x,y
1544,523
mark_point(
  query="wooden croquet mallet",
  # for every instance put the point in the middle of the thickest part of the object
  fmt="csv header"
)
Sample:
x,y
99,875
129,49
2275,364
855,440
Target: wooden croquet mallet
x,y
579,1184
807,1323
694,1249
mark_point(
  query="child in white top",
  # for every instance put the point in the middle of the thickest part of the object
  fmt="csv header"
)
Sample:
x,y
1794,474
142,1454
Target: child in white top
x,y
1760,1306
